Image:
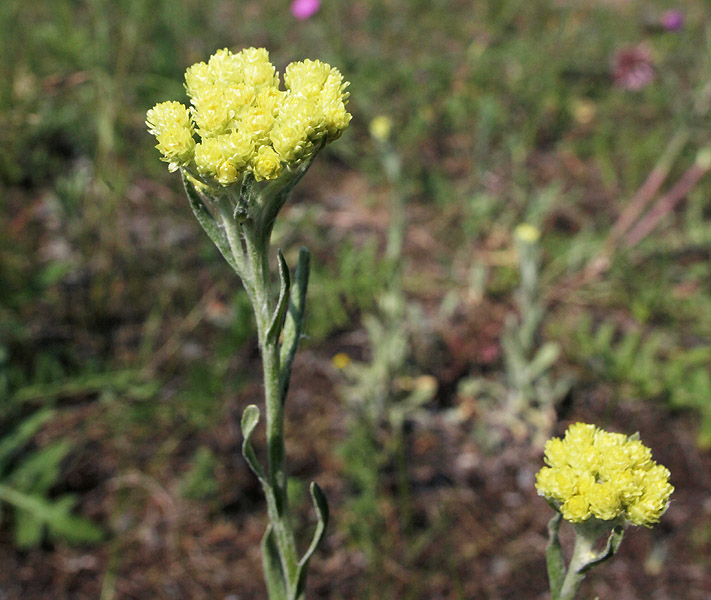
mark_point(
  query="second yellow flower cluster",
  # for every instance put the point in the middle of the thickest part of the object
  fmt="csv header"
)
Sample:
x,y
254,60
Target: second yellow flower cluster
x,y
593,473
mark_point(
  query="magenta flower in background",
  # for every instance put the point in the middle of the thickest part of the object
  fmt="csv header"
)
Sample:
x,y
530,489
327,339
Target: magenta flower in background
x,y
305,9
672,20
633,68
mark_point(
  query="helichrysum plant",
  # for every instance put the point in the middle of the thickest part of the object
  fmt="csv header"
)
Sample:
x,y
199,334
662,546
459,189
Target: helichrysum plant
x,y
599,482
381,393
241,147
524,403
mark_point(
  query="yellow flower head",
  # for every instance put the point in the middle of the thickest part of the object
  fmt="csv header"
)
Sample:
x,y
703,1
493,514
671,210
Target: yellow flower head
x,y
245,123
593,473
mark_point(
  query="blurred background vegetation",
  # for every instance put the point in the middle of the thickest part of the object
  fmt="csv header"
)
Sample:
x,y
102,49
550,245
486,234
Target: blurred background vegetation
x,y
432,369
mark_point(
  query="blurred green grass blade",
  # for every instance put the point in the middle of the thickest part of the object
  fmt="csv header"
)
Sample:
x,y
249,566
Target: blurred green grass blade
x,y
130,382
22,434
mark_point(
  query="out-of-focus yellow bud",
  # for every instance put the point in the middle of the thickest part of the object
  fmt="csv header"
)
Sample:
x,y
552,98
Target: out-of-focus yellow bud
x,y
527,233
703,159
341,360
584,111
380,128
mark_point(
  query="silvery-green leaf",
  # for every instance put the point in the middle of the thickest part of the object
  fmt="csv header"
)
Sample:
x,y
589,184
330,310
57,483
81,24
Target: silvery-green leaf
x,y
208,223
282,304
321,505
294,321
250,418
555,561
271,564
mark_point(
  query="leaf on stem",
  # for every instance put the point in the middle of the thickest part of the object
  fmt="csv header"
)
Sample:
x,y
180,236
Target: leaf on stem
x,y
294,321
271,564
250,418
611,548
555,561
278,318
208,223
321,506
274,196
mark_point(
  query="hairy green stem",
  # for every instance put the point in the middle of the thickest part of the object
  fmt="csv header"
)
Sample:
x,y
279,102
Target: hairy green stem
x,y
263,304
584,556
582,552
243,239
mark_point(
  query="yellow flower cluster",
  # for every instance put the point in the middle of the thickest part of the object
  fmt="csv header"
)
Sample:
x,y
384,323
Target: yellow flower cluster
x,y
593,473
244,121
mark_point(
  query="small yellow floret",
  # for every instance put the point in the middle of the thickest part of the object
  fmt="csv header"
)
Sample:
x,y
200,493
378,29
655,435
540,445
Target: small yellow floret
x,y
580,435
306,78
238,148
593,473
238,97
208,157
256,68
225,68
576,509
291,142
212,112
266,164
170,123
197,79
604,499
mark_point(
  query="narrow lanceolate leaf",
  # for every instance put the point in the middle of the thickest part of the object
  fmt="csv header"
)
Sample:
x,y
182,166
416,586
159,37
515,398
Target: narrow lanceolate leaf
x,y
208,223
250,418
294,322
555,561
611,548
274,196
321,506
271,564
278,318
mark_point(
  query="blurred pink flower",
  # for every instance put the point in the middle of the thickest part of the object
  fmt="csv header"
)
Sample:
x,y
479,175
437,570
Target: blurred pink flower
x,y
305,9
672,20
633,68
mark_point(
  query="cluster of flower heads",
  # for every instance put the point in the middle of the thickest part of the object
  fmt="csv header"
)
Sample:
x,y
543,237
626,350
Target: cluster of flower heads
x,y
244,122
593,473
